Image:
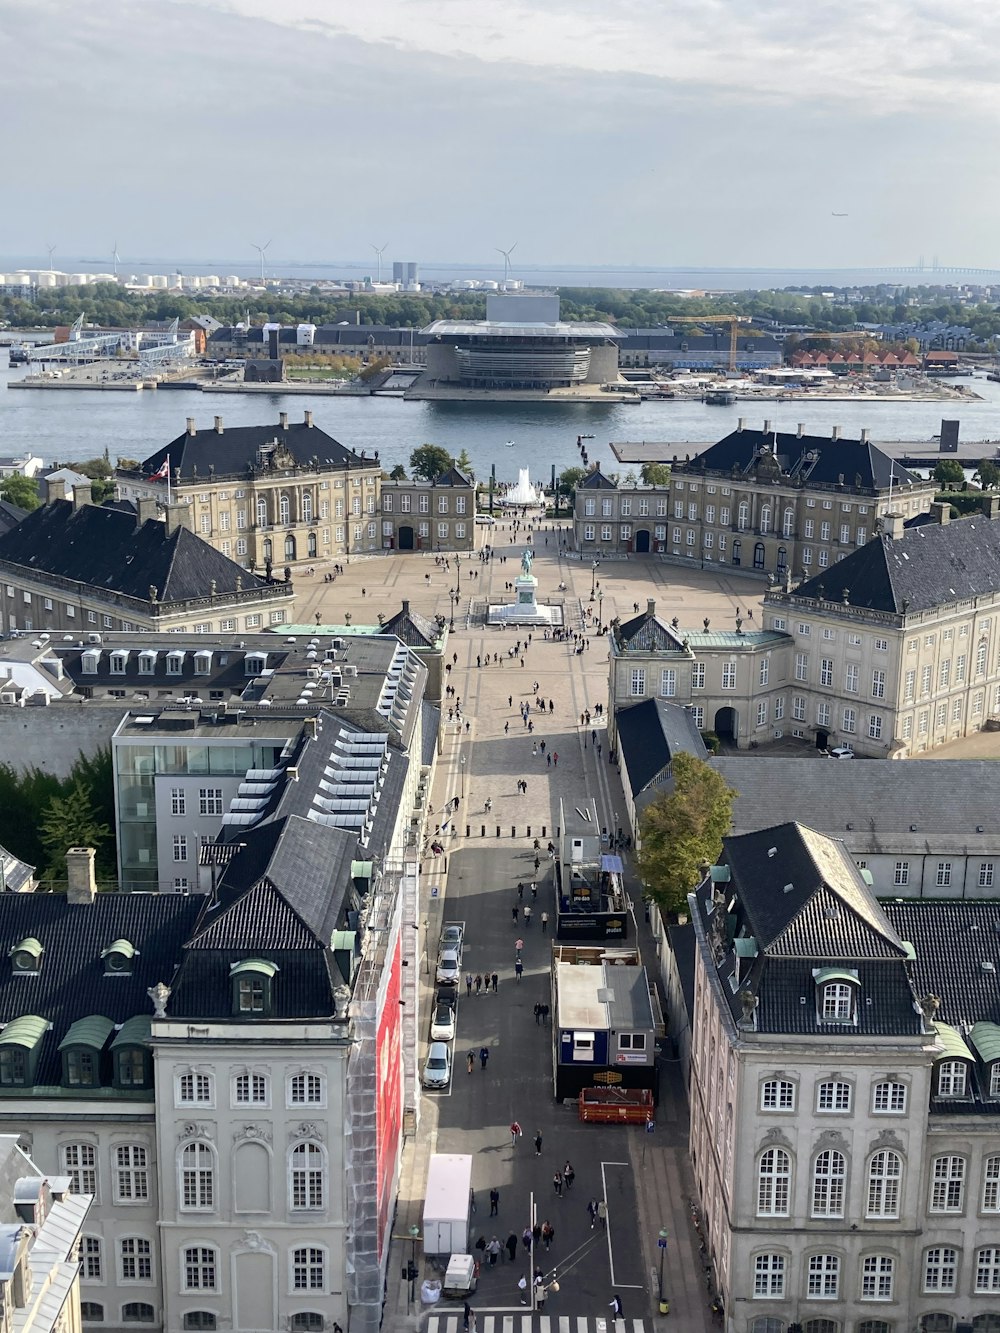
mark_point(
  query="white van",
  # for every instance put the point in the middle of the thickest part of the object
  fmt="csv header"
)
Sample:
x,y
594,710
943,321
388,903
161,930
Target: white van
x,y
486,519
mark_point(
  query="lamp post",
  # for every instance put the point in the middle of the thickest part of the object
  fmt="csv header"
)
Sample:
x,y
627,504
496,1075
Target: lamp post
x,y
662,1243
414,1237
453,594
593,577
600,605
462,765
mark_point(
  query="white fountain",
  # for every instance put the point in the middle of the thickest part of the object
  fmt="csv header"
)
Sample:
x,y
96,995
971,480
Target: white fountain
x,y
523,493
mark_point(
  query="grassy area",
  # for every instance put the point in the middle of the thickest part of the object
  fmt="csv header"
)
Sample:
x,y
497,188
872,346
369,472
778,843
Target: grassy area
x,y
315,373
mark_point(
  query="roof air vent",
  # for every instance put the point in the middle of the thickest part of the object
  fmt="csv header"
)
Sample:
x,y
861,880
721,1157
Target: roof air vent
x,y
788,888
986,965
772,851
913,828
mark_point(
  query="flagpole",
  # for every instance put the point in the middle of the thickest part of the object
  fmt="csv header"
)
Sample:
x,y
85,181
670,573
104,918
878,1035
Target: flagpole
x,y
168,479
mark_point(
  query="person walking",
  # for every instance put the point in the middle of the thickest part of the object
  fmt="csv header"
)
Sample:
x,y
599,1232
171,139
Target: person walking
x,y
522,1286
555,758
548,1234
518,970
545,922
602,1213
494,1201
496,981
470,1061
538,1144
538,1013
569,1175
515,912
484,1056
512,1246
534,889
527,914
536,1237
520,889
493,1251
557,1184
540,1292
479,982
592,1210
515,1133
526,1240
468,983
617,1309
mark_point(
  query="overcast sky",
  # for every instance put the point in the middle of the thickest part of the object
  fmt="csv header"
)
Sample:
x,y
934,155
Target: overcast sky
x,y
716,132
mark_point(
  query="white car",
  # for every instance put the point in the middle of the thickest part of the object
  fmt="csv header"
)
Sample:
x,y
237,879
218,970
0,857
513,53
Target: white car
x,y
841,752
486,519
449,968
443,1023
437,1069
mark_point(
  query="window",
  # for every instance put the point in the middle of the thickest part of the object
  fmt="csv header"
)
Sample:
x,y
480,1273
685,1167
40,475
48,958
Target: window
x,y
199,1268
779,708
307,1321
765,670
801,666
762,713
180,847
850,721
878,684
698,676
250,1090
931,1323
81,1069
874,726
632,1041
960,669
91,1312
940,1268
138,1312
743,515
305,1090
909,686
698,716
638,682
889,1098
79,1162
991,1184
885,1171
824,1277
824,532
131,1173
767,1324
981,660
834,1096
952,1078
947,1184
943,874
132,1066
902,873
197,1177
729,675
837,1002
194,1090
799,707
877,1272
944,674
826,671
768,1275
773,1179
788,523
210,801
199,1321
90,1259
777,1094
668,683
823,714
307,1176
308,1268
988,1269
178,801
136,1259
829,1176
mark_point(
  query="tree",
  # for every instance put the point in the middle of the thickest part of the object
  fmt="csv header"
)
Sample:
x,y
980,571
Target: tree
x,y
428,462
70,821
948,472
655,474
398,473
988,473
464,463
21,491
684,828
569,479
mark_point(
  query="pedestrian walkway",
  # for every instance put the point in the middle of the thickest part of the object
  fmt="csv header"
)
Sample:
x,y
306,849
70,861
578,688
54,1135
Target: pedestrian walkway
x,y
536,1323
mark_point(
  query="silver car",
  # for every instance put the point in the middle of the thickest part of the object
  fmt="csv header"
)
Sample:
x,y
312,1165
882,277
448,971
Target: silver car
x,y
437,1070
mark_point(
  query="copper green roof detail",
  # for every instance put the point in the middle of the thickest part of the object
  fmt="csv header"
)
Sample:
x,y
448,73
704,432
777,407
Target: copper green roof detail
x,y
343,939
29,945
986,1039
953,1042
134,1032
823,975
92,1031
254,965
124,947
27,1030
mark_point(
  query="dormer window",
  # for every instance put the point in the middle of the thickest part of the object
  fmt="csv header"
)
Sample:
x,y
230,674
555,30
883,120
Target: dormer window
x,y
147,662
118,958
953,1067
251,982
985,1037
175,662
81,1051
836,995
952,1078
20,1044
119,661
26,957
202,662
255,664
131,1054
89,661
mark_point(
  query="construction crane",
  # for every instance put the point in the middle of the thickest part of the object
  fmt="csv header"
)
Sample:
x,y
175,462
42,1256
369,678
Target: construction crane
x,y
732,320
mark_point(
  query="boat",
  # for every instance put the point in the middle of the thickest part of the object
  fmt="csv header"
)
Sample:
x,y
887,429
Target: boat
x,y
720,398
510,444
18,354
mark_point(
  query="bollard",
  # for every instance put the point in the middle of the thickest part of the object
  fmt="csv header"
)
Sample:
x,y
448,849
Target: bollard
x,y
482,830
527,831
468,830
543,831
513,830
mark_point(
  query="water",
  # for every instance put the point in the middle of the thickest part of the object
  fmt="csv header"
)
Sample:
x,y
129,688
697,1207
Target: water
x,y
64,425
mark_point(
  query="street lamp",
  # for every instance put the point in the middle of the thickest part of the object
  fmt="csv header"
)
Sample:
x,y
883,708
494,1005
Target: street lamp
x,y
593,577
600,604
662,1243
414,1237
453,594
462,764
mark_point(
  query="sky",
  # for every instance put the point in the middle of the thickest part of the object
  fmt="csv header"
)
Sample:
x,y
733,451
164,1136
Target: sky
x,y
672,132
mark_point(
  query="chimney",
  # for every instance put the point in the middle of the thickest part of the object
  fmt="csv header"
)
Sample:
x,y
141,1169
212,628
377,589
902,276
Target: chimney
x,y
308,418
146,508
82,883
800,429
406,606
55,490
941,512
892,525
283,420
865,435
177,514
311,728
835,433
218,426
191,429
81,496
767,427
991,506
740,423
650,607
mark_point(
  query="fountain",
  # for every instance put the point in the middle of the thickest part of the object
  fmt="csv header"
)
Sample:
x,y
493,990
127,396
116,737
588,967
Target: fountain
x,y
524,493
525,609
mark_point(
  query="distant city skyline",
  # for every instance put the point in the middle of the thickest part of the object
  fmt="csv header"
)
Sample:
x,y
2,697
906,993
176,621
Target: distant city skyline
x,y
734,134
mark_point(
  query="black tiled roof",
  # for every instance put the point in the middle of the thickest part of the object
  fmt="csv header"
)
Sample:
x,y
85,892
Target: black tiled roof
x,y
650,733
817,459
71,984
232,451
646,633
10,515
414,629
104,549
927,566
952,941
787,1003
596,481
452,477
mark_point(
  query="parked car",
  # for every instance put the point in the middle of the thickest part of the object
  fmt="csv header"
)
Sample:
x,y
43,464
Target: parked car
x,y
841,752
443,1023
452,938
445,995
487,520
449,968
437,1069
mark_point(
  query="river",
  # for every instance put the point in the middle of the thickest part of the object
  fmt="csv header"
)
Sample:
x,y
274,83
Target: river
x,y
63,424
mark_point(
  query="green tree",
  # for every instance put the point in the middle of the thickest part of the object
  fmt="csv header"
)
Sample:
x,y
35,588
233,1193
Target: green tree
x,y
684,828
398,473
70,820
655,474
429,461
20,490
569,479
949,472
988,473
464,463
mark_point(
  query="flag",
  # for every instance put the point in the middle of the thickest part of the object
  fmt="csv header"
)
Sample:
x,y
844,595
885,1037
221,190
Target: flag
x,y
163,471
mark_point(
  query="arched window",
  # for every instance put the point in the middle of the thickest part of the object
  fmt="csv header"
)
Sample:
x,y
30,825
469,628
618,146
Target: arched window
x,y
289,547
307,1176
820,1326
889,1097
947,1184
312,546
758,555
200,1321
307,1321
135,1258
307,507
79,1162
284,510
991,1185
829,1177
878,1274
261,511
986,1323
834,1095
774,1172
935,1323
952,1078
788,523
768,1275
823,1281
309,1268
306,1090
743,516
138,1312
91,1312
782,559
885,1172
883,1326
765,518
988,1269
777,1094
767,1324
197,1187
268,550
737,549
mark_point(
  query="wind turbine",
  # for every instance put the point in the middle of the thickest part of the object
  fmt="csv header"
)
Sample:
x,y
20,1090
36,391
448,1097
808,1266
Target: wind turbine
x,y
51,249
380,251
506,259
261,250
115,259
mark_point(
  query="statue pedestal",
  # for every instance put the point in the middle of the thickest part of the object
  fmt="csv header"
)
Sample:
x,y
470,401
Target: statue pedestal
x,y
525,609
525,594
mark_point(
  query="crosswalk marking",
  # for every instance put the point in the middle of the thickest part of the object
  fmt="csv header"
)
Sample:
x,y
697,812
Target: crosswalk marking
x,y
526,1322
